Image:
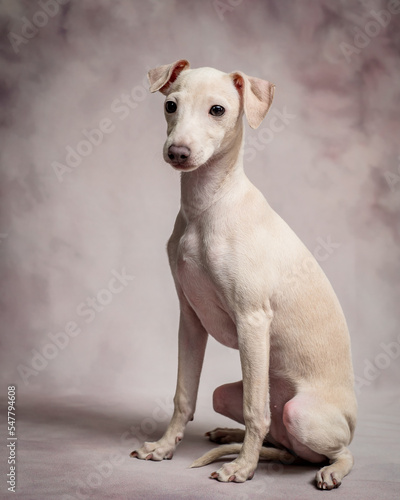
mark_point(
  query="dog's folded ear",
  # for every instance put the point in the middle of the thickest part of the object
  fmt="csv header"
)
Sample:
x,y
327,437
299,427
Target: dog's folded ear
x,y
256,96
161,78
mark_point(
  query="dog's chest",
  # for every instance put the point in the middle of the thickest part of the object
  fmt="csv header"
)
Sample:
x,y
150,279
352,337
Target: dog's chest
x,y
195,272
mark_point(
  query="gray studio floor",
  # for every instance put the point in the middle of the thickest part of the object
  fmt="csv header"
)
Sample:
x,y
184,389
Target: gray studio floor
x,y
78,448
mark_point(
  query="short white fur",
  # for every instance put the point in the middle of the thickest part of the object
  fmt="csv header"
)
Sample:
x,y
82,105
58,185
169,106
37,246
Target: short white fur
x,y
236,265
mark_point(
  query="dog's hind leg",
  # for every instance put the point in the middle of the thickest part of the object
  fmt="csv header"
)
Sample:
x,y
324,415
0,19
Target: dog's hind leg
x,y
318,429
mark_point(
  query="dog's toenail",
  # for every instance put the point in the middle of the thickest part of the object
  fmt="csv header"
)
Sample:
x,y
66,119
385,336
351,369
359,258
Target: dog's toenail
x,y
134,454
149,456
232,478
214,475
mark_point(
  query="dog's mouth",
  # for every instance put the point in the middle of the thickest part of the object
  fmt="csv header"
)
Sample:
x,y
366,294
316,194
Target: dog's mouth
x,y
182,165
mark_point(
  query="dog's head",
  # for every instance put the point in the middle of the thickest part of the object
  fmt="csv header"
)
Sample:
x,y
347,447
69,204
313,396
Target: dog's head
x,y
204,108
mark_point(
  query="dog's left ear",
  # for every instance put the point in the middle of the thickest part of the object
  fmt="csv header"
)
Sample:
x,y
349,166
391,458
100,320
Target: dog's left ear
x,y
161,78
256,96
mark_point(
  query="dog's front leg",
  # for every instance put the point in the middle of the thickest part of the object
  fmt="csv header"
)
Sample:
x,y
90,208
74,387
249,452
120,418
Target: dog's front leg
x,y
192,345
253,337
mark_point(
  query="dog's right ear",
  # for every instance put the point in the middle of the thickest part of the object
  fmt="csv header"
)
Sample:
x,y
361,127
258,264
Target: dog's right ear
x,y
161,78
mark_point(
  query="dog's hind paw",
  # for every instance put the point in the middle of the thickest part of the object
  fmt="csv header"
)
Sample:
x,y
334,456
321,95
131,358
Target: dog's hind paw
x,y
224,435
327,480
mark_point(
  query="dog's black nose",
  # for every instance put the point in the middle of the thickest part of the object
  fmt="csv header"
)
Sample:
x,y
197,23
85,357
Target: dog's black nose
x,y
178,154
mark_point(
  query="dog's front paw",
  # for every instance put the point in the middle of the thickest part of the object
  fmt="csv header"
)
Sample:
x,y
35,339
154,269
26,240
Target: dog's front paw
x,y
158,450
235,471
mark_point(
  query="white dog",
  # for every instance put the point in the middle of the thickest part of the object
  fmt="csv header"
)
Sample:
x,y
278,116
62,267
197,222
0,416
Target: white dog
x,y
245,278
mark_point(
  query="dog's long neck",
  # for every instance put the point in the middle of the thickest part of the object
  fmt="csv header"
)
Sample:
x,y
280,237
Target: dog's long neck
x,y
202,187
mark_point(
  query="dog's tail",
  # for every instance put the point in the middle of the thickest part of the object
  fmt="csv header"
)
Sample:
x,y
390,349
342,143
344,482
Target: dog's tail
x,y
231,449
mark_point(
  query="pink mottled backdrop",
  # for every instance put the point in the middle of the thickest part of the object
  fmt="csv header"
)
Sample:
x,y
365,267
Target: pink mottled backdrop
x,y
77,215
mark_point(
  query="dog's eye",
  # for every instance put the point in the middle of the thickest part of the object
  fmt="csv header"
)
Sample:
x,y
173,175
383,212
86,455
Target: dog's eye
x,y
170,106
217,110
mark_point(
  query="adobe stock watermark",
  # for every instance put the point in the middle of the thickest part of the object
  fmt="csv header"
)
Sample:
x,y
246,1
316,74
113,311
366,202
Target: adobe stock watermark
x,y
87,309
322,251
392,178
131,439
31,27
374,368
121,107
372,29
276,124
221,7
